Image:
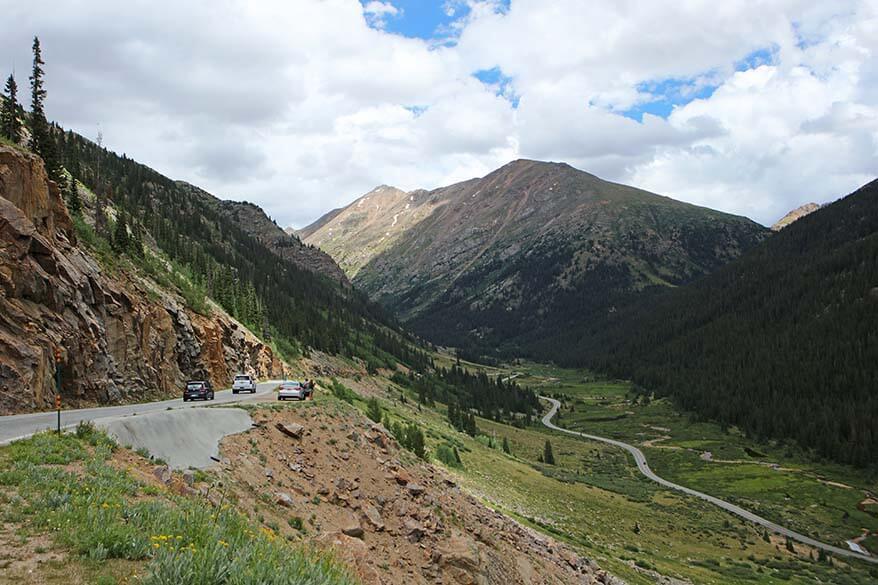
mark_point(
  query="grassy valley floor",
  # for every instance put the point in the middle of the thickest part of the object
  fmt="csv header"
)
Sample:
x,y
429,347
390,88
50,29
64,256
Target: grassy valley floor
x,y
594,498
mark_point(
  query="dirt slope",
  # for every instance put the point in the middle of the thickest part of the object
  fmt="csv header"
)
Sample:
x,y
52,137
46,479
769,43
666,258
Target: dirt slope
x,y
394,518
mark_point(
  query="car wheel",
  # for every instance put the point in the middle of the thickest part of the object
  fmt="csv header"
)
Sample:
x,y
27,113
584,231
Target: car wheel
x,y
234,391
185,399
212,396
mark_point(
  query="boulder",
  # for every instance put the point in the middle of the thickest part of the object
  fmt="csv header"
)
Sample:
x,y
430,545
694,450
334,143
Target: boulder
x,y
162,473
294,430
283,499
350,526
415,489
373,517
402,477
413,530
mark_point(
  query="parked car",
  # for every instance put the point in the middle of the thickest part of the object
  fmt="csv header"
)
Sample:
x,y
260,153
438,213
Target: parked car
x,y
244,383
197,389
291,389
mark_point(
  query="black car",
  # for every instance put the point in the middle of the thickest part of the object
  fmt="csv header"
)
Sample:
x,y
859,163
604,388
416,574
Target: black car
x,y
197,389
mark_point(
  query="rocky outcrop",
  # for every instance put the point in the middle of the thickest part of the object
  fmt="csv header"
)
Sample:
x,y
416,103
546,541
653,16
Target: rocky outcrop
x,y
121,337
795,215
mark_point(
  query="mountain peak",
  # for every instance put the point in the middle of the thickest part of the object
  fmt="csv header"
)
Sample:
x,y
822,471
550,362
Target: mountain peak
x,y
795,215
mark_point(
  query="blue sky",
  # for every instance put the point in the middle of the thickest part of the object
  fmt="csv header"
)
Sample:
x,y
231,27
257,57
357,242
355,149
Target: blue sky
x,y
434,22
430,20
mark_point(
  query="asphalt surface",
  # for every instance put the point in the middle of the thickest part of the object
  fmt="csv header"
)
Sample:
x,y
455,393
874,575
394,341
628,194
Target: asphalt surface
x,y
184,438
643,466
19,426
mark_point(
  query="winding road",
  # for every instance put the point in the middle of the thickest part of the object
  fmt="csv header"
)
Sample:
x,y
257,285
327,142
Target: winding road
x,y
19,426
643,466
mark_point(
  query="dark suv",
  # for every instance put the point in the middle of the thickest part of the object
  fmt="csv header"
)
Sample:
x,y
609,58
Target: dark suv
x,y
197,389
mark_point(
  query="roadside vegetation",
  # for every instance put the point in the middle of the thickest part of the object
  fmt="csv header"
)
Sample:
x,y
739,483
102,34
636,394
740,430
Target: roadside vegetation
x,y
66,486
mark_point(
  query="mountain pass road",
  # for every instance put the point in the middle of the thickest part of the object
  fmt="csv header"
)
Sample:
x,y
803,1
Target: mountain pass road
x,y
19,426
643,466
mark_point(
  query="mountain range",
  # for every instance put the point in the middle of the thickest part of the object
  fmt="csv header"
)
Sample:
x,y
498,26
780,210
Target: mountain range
x,y
514,257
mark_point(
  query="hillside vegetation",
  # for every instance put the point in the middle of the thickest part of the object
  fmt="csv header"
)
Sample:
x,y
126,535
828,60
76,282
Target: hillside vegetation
x,y
783,342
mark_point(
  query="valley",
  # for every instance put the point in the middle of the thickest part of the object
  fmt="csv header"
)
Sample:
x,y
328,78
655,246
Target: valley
x,y
533,376
592,497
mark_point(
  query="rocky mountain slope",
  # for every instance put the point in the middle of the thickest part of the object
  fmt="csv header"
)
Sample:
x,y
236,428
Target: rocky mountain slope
x,y
523,251
122,336
356,234
390,516
794,215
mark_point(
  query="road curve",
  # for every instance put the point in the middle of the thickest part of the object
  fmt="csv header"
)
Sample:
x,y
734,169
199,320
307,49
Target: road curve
x,y
19,426
643,466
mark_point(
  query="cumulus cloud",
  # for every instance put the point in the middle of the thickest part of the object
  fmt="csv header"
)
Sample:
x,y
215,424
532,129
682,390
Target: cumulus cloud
x,y
302,106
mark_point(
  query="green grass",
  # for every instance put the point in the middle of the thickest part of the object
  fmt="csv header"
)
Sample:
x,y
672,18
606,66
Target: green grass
x,y
775,480
100,513
594,497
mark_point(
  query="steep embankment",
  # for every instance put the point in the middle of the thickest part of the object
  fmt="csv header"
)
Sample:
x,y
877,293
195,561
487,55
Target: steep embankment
x,y
122,337
325,470
531,247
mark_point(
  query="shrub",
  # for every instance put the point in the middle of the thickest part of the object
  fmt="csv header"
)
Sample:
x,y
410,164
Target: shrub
x,y
447,455
373,410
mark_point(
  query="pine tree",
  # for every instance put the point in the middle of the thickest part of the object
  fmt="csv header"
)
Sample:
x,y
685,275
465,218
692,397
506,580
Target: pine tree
x,y
373,410
121,241
506,448
74,203
41,141
10,126
548,456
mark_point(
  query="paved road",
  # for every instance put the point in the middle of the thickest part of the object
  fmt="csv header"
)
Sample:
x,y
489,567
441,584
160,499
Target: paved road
x,y
643,466
23,425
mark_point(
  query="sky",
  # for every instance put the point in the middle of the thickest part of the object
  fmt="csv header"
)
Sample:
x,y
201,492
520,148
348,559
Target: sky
x,y
748,106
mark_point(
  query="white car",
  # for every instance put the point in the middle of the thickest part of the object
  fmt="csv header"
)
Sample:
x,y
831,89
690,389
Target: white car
x,y
291,389
244,383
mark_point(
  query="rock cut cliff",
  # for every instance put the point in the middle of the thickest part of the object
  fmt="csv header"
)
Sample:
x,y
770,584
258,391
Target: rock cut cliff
x,y
121,336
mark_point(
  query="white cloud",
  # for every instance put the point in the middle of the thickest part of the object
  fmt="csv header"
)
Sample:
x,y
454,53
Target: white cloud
x,y
302,106
377,12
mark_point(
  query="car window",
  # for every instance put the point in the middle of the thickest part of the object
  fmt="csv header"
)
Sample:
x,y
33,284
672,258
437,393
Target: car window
x,y
242,378
194,386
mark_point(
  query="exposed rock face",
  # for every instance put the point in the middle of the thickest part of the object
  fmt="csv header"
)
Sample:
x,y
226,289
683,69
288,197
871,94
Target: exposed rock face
x,y
794,215
122,338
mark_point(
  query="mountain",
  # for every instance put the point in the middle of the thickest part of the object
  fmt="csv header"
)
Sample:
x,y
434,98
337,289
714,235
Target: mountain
x,y
533,247
308,230
781,342
795,214
355,234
